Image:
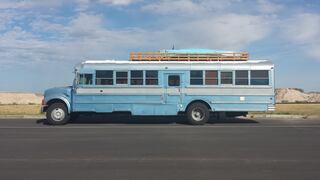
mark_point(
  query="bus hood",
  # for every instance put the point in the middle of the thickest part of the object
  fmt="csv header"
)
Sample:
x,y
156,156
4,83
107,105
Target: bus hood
x,y
58,93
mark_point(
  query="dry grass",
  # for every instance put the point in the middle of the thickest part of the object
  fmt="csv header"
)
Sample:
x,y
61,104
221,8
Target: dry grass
x,y
19,109
295,109
299,109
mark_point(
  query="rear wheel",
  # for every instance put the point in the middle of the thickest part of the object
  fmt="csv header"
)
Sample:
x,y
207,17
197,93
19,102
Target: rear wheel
x,y
57,114
198,114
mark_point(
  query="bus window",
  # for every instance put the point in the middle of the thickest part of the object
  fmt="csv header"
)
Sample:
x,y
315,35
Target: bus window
x,y
196,78
259,77
121,77
211,78
104,77
226,77
136,77
174,80
85,79
242,78
151,77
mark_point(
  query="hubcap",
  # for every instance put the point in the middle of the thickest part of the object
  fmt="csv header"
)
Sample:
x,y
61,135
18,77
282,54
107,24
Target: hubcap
x,y
57,114
197,114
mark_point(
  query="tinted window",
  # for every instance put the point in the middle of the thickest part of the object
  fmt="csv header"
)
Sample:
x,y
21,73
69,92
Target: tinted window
x,y
174,80
85,79
211,78
104,77
136,77
259,77
122,77
104,74
242,78
196,77
151,77
226,78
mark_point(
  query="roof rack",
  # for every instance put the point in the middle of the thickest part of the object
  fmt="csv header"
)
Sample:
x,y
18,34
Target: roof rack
x,y
189,56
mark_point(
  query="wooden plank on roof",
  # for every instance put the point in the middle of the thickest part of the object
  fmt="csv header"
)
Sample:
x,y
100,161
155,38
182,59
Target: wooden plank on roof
x,y
164,56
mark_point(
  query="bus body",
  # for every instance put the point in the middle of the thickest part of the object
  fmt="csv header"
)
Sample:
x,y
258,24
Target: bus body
x,y
165,88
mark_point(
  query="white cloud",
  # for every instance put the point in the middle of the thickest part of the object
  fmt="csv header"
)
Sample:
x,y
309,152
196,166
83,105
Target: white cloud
x,y
314,50
175,6
208,23
5,19
229,31
304,30
18,46
303,27
58,39
190,7
83,5
85,36
119,2
265,6
22,4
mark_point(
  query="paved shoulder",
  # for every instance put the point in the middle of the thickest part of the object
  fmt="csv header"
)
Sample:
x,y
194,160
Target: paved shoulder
x,y
238,149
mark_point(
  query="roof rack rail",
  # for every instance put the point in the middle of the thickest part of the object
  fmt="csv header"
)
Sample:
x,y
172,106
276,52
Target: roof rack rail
x,y
186,56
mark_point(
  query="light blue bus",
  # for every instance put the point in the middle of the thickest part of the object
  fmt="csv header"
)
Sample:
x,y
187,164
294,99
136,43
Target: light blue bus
x,y
195,88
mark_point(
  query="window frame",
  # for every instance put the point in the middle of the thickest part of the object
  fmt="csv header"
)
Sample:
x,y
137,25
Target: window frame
x,y
122,78
104,78
174,75
196,78
136,78
260,78
146,78
206,78
221,79
241,78
79,79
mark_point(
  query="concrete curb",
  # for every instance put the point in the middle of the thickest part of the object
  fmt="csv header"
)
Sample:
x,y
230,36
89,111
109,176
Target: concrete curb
x,y
22,116
280,116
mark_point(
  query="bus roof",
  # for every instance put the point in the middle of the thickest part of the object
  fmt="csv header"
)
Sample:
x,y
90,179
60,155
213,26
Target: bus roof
x,y
158,65
265,62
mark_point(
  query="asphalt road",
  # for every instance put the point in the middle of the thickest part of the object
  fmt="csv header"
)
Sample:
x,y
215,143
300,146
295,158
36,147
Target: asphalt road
x,y
140,149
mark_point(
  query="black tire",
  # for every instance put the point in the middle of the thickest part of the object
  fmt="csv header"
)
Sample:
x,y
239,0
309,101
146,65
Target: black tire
x,y
57,108
198,114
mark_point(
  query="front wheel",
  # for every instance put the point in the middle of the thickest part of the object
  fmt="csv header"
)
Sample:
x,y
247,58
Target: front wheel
x,y
57,114
198,114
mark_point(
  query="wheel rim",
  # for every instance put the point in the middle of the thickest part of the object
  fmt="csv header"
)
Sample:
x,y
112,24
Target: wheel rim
x,y
197,114
58,114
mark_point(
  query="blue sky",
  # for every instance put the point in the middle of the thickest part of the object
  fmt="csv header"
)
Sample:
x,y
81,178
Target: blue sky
x,y
42,40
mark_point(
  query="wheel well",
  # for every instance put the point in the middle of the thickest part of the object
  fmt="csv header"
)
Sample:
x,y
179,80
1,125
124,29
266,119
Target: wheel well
x,y
52,101
199,101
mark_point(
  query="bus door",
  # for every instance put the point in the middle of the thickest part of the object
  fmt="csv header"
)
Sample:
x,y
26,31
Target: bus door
x,y
173,88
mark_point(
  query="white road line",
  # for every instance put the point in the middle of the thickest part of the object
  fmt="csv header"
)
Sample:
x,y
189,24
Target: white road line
x,y
156,127
203,159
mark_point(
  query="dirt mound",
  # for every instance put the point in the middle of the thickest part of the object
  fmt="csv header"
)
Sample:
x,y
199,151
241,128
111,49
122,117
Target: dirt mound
x,y
20,98
295,95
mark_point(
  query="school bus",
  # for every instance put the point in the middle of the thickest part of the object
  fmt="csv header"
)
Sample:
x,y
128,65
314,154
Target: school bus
x,y
149,85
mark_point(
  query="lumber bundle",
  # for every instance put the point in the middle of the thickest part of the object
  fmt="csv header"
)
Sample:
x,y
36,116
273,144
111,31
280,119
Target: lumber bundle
x,y
171,56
